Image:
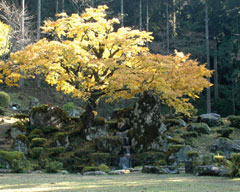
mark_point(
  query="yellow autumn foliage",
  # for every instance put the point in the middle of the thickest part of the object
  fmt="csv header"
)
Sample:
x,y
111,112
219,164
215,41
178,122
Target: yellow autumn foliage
x,y
4,38
84,55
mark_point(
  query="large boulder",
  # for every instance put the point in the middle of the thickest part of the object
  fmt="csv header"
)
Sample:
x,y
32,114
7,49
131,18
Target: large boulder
x,y
160,169
210,170
48,116
212,119
225,145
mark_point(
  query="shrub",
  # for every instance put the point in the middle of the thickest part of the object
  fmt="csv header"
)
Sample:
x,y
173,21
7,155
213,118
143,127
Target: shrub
x,y
19,166
192,155
99,121
50,129
104,168
37,152
235,121
53,167
235,168
11,155
68,106
35,133
56,150
225,131
4,99
101,167
220,160
38,142
207,159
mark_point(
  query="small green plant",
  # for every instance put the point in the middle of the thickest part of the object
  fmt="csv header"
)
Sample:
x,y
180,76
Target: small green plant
x,y
37,152
21,166
20,125
4,99
53,167
56,150
225,131
235,168
68,106
235,121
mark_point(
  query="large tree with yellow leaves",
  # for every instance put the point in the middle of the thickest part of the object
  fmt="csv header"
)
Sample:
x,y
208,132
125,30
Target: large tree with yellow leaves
x,y
86,56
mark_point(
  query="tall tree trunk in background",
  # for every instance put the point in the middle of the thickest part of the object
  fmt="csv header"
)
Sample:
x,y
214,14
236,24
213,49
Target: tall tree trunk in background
x,y
63,3
92,3
147,18
38,80
21,81
140,15
167,27
57,6
216,93
122,14
174,19
207,56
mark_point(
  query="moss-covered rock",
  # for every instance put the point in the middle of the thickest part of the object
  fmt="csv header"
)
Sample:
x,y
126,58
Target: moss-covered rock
x,y
200,128
176,139
225,131
84,151
174,148
235,121
20,116
38,142
110,144
48,116
20,125
100,158
4,99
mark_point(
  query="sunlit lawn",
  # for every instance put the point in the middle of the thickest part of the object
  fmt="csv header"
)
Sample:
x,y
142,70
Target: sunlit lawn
x,y
134,182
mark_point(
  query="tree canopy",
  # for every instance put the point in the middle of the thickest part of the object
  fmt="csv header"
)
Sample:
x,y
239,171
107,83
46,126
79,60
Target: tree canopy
x,y
86,56
4,38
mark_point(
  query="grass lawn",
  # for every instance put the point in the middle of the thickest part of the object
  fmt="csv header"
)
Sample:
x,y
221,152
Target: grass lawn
x,y
134,182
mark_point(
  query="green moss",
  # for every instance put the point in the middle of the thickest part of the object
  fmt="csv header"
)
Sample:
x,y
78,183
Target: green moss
x,y
37,152
235,121
21,166
38,142
113,123
11,155
99,121
109,144
189,134
20,125
54,151
100,158
50,129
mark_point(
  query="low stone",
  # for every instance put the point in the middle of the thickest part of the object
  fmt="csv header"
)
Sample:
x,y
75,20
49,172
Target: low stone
x,y
181,155
212,119
210,170
5,170
119,172
94,173
160,170
15,131
95,132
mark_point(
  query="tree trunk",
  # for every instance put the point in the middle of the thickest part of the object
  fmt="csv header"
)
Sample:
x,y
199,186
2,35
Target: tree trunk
x,y
140,15
38,80
167,27
57,6
63,3
147,18
233,98
207,56
174,19
88,116
92,3
122,14
21,81
216,93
